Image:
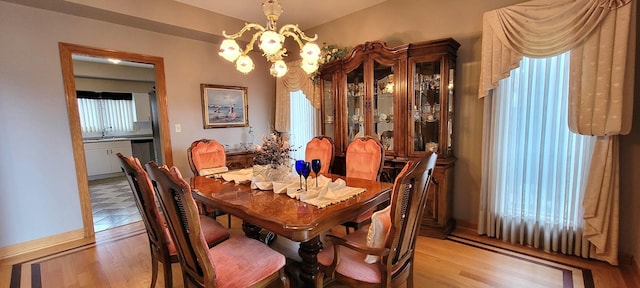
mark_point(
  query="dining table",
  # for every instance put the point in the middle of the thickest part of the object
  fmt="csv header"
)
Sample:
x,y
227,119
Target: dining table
x,y
289,217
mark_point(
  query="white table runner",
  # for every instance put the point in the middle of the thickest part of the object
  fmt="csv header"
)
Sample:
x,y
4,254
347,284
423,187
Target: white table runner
x,y
327,193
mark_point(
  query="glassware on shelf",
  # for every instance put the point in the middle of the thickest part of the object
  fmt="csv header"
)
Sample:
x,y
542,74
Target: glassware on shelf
x,y
329,119
416,114
418,142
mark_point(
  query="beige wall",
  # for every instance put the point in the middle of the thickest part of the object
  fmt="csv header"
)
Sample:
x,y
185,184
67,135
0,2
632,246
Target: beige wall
x,y
405,21
38,190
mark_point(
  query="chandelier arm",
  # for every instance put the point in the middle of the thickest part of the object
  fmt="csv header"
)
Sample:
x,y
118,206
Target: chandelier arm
x,y
246,28
249,46
297,30
294,36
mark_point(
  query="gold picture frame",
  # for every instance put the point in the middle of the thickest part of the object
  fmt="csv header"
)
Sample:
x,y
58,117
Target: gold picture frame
x,y
224,106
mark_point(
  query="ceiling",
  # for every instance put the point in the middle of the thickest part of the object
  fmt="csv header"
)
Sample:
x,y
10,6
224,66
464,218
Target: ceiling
x,y
306,14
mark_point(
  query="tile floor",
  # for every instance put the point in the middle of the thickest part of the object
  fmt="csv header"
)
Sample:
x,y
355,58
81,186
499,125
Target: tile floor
x,y
112,203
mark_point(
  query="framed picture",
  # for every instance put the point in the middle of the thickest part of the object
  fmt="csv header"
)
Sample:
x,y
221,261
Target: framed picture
x,y
224,106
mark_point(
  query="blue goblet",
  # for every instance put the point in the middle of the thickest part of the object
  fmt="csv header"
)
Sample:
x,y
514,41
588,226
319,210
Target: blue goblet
x,y
315,166
299,170
306,170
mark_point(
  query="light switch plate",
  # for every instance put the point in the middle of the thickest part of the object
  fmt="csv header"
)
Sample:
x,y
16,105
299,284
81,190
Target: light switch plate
x,y
178,128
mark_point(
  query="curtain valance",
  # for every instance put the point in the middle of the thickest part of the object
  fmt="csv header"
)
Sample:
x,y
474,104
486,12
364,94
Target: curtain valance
x,y
295,79
597,33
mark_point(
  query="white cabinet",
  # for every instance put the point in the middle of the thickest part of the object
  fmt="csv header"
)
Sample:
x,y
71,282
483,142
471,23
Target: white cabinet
x,y
101,156
143,107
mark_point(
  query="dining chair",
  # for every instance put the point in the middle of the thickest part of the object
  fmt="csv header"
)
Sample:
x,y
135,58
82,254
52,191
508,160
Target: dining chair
x,y
364,159
236,262
383,255
320,147
206,157
162,246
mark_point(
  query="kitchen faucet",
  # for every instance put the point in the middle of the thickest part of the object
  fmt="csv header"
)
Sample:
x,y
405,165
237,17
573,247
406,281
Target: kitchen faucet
x,y
104,132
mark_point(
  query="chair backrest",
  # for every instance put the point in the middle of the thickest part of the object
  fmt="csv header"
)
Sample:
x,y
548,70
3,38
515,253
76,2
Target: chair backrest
x,y
408,201
206,153
182,217
320,147
364,159
146,201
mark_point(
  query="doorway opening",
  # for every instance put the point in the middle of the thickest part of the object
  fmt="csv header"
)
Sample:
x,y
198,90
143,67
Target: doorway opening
x,y
158,114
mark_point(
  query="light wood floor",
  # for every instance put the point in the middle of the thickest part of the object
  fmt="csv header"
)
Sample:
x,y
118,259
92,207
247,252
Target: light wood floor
x,y
120,258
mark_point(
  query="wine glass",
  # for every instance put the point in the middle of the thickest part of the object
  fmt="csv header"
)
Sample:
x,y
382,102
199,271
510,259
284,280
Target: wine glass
x,y
306,170
315,166
299,169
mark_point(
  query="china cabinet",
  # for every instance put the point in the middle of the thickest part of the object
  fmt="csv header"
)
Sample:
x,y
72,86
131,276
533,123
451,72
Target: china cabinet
x,y
403,96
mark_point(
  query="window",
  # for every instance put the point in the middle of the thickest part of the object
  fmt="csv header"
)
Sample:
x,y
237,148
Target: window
x,y
104,112
535,169
303,123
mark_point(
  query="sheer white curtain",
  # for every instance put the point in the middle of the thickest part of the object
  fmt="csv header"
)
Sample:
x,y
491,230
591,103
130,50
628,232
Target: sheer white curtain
x,y
535,169
598,33
303,123
108,115
90,115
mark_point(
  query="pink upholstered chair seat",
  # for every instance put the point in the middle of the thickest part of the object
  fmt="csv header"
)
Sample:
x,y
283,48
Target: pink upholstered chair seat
x,y
364,160
161,244
207,154
213,231
242,262
320,147
235,262
352,263
383,255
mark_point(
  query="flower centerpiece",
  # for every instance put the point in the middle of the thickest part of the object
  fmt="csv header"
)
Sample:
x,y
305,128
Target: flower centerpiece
x,y
273,159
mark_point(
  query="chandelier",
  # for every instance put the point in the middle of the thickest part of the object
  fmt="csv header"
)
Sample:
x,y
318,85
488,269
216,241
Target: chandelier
x,y
271,42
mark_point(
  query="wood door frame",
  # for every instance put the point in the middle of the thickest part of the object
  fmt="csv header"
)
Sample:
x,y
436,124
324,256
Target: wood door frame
x,y
66,62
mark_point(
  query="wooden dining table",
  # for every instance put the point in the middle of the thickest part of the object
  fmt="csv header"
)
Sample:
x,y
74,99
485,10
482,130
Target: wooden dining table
x,y
288,217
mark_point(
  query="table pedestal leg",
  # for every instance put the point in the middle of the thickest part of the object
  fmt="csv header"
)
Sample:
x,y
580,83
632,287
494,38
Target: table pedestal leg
x,y
250,230
308,251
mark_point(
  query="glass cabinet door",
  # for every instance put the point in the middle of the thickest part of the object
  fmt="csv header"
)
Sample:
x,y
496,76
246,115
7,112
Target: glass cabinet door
x,y
328,108
426,103
449,111
383,99
355,104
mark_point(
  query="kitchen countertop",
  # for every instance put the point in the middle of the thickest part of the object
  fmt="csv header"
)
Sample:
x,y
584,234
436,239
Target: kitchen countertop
x,y
122,138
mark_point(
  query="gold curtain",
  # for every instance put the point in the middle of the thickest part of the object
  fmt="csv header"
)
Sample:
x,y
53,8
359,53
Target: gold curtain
x,y
295,79
600,100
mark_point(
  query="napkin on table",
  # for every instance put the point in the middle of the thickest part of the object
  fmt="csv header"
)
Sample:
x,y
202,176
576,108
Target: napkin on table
x,y
326,193
238,176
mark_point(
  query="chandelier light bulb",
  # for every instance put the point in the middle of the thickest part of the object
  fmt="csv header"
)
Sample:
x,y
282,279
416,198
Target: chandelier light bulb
x,y
278,68
229,50
271,42
244,64
310,52
309,66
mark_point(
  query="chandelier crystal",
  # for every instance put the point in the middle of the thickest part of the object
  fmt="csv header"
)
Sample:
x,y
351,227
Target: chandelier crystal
x,y
271,42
